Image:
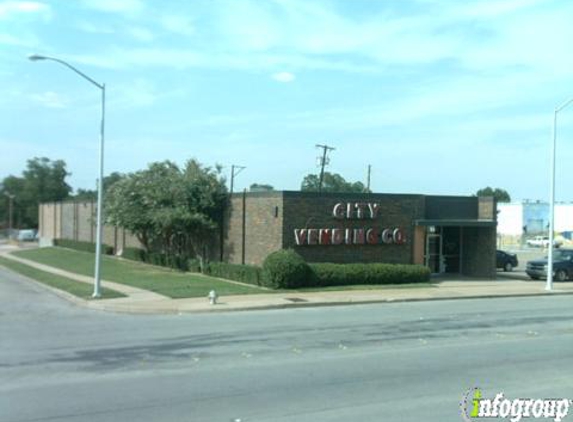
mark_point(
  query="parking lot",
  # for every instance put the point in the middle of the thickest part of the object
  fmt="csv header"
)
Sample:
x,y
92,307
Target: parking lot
x,y
523,255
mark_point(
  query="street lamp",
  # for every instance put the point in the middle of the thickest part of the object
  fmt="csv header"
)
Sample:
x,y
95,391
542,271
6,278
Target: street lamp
x,y
97,277
549,285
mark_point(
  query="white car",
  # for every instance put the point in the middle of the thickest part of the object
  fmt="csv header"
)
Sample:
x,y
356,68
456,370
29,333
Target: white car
x,y
26,235
542,242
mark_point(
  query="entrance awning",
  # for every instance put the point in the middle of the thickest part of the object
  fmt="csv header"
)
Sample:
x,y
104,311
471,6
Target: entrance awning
x,y
456,223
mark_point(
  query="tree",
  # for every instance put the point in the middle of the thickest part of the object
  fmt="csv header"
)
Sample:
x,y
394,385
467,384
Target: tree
x,y
43,180
332,182
501,195
171,210
91,195
257,187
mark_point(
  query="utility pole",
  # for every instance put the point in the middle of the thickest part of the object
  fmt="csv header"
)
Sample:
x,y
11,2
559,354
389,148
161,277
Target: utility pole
x,y
368,179
10,212
233,174
323,162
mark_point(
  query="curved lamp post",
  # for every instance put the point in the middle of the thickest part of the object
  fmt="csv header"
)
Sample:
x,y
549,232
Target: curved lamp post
x,y
97,277
549,285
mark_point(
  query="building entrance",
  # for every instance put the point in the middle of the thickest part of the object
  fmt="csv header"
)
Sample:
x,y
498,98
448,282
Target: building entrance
x,y
443,250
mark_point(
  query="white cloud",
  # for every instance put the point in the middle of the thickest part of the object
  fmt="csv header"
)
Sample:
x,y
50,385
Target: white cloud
x,y
184,58
93,28
284,77
115,6
141,34
448,32
21,41
11,8
50,99
493,9
178,24
139,93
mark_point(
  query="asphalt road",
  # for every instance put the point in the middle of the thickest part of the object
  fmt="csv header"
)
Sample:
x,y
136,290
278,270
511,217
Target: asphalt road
x,y
388,362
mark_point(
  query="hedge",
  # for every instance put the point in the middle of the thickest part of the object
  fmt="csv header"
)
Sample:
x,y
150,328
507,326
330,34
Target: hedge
x,y
285,269
133,254
327,274
178,262
244,273
83,246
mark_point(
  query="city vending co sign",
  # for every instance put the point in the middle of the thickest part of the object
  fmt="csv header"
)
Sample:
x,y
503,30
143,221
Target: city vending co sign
x,y
351,236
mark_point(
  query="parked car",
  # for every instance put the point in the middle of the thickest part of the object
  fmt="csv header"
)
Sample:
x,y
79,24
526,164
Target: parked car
x,y
505,260
26,235
562,266
542,242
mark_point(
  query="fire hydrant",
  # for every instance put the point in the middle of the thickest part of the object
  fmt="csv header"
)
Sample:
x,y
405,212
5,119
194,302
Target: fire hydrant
x,y
213,297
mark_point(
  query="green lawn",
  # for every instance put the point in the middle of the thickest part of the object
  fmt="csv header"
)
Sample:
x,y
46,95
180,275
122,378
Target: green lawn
x,y
76,288
164,281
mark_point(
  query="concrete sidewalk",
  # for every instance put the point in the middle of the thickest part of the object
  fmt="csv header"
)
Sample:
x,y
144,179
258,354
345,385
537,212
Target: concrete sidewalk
x,y
142,301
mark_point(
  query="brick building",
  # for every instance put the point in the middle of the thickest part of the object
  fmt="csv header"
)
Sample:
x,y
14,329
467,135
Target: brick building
x,y
449,234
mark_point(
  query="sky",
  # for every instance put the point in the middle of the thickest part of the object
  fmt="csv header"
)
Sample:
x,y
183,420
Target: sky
x,y
439,97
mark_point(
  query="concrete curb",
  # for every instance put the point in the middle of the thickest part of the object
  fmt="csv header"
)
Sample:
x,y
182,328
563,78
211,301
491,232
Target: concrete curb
x,y
109,307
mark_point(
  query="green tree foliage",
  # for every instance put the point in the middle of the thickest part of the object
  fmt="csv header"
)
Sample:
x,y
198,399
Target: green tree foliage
x,y
91,195
258,187
43,180
332,182
171,210
501,195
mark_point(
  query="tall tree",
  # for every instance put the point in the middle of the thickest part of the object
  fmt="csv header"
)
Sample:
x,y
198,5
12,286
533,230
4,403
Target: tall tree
x,y
171,210
501,195
332,182
43,180
91,195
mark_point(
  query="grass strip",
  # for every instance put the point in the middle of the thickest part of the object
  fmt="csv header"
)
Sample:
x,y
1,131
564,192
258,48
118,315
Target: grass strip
x,y
76,288
167,282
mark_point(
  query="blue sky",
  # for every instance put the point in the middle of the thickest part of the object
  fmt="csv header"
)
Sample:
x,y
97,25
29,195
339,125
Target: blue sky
x,y
440,97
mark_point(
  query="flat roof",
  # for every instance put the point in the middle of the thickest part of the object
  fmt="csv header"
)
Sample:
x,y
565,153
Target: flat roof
x,y
456,223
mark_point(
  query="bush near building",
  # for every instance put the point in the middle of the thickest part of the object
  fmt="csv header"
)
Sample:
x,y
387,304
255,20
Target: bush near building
x,y
326,274
174,261
83,246
286,270
249,274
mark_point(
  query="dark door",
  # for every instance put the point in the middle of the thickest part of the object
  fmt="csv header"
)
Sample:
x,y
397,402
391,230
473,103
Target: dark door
x,y
451,249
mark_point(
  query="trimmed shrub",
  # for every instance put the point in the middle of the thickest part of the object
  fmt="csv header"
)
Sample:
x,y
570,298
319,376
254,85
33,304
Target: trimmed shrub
x,y
194,265
177,262
83,246
284,269
327,274
244,273
134,254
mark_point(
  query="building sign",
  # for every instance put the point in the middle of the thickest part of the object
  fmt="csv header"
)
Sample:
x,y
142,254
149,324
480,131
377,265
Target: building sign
x,y
367,235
